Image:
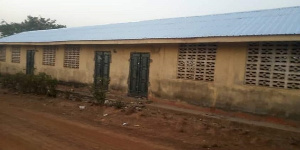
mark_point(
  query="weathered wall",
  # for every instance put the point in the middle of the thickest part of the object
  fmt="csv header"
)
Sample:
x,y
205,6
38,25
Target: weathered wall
x,y
86,66
162,66
84,74
231,92
227,91
9,67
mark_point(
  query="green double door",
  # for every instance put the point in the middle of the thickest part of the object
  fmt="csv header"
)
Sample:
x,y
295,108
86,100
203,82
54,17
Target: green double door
x,y
102,64
139,74
30,61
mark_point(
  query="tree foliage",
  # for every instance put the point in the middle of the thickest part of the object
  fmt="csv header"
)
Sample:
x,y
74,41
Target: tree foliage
x,y
29,24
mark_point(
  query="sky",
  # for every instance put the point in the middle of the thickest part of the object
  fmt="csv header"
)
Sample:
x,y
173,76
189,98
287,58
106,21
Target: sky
x,y
74,13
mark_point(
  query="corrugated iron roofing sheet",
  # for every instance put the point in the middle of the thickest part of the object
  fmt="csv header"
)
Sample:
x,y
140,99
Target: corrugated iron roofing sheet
x,y
282,21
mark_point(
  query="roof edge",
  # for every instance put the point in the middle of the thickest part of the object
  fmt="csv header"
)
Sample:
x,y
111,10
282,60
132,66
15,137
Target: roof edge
x,y
170,41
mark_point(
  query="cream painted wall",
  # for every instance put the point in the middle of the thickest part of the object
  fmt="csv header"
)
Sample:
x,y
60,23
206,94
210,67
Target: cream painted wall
x,y
86,66
231,92
9,67
227,91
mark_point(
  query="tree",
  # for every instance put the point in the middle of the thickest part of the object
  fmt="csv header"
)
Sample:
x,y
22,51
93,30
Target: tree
x,y
29,24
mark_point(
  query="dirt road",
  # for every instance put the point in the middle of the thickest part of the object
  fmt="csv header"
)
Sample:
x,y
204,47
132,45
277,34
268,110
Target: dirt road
x,y
31,122
25,129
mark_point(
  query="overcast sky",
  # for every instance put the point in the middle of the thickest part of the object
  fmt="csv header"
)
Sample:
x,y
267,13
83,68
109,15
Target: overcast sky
x,y
94,12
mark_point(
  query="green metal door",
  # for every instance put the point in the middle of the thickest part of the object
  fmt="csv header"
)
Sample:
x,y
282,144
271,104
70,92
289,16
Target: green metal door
x,y
139,74
30,61
102,62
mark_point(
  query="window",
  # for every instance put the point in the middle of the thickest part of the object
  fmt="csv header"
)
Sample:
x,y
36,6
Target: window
x,y
15,54
196,62
49,54
2,53
71,59
273,64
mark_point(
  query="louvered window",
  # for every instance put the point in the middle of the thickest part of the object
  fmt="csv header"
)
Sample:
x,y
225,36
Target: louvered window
x,y
2,53
273,64
197,62
71,59
49,53
15,54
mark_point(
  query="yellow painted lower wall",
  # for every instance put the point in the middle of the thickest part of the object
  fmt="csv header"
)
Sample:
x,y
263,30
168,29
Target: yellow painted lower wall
x,y
227,91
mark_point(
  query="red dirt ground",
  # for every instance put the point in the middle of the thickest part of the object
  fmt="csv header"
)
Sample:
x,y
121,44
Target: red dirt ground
x,y
241,115
37,122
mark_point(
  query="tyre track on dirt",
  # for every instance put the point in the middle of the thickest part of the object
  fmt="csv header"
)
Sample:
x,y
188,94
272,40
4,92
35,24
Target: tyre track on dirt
x,y
26,129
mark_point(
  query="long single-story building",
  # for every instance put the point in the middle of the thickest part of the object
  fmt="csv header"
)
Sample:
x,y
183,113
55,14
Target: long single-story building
x,y
247,61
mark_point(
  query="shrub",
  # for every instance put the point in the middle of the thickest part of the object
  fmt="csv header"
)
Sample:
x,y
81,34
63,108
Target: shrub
x,y
38,84
119,104
99,89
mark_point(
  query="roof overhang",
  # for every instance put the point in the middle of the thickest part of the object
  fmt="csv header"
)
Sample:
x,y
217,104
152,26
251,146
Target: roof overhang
x,y
170,40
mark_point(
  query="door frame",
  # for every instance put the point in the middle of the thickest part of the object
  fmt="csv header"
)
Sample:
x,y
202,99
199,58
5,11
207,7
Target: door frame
x,y
27,63
148,76
95,62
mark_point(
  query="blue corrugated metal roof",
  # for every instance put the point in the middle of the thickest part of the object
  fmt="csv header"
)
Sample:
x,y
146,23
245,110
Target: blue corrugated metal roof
x,y
282,21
